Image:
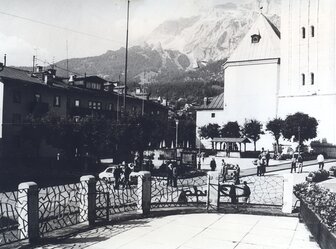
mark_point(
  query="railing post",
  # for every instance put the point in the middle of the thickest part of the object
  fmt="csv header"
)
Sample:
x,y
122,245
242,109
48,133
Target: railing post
x,y
287,198
144,192
87,199
212,203
28,210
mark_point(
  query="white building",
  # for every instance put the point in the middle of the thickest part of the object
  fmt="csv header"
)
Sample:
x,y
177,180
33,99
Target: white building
x,y
268,77
308,58
252,74
209,113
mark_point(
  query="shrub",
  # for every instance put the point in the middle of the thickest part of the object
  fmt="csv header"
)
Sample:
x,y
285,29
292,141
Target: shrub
x,y
318,176
320,200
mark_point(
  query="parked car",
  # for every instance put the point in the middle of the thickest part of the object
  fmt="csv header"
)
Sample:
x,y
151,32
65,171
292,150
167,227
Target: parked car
x,y
107,174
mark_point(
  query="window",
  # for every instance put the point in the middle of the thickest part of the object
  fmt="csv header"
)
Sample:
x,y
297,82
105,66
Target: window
x,y
57,101
94,105
158,112
303,32
312,78
110,106
16,119
93,85
255,38
99,104
90,104
312,29
37,97
77,102
133,109
16,97
213,115
303,76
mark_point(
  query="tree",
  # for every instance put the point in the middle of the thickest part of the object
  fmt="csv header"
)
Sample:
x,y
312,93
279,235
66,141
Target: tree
x,y
253,129
276,127
209,131
231,129
301,126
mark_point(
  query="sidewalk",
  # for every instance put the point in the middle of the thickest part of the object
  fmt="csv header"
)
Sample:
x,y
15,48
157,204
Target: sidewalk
x,y
197,231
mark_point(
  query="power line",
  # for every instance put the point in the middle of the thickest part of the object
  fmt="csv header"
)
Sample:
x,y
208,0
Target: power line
x,y
50,64
60,27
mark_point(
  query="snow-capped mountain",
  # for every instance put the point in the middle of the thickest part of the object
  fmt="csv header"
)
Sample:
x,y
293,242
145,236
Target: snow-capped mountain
x,y
215,33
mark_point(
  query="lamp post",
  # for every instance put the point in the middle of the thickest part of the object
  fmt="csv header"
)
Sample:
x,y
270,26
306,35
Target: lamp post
x,y
176,122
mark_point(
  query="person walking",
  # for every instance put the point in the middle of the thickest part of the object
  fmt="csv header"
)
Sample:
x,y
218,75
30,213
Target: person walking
x,y
293,164
213,164
320,160
300,163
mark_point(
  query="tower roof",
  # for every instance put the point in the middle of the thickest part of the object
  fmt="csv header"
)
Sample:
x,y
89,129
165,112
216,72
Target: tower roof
x,y
266,45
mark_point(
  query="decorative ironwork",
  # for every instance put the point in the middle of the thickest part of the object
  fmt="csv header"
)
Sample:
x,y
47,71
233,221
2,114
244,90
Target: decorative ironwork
x,y
59,206
187,192
110,201
265,190
10,214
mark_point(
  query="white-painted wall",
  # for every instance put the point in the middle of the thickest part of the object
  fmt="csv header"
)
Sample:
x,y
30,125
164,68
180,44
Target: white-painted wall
x,y
250,92
203,117
310,55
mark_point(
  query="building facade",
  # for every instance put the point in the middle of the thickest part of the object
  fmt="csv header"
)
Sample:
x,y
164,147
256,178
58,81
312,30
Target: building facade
x,y
24,94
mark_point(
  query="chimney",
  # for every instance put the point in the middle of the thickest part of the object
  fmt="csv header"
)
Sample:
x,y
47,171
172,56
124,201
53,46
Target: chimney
x,y
5,60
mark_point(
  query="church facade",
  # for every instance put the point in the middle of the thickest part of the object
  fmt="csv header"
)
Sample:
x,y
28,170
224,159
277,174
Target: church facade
x,y
273,75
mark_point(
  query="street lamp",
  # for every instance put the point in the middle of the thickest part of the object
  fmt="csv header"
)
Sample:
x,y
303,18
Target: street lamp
x,y
177,122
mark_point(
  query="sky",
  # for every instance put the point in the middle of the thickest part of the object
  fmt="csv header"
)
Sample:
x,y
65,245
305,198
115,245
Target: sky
x,y
46,28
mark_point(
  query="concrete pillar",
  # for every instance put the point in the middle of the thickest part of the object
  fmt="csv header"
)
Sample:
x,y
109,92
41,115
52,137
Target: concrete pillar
x,y
87,208
27,207
144,192
213,191
287,202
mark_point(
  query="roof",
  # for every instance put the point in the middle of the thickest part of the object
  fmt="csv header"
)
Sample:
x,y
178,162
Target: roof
x,y
10,73
268,46
18,74
231,139
217,103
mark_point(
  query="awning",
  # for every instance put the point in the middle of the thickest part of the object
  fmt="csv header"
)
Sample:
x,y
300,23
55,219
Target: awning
x,y
231,139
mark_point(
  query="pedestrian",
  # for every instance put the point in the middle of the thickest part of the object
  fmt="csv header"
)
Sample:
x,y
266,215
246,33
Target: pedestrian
x,y
170,173
213,164
262,165
300,163
268,156
223,170
127,173
257,163
320,160
175,174
246,192
117,176
293,164
228,151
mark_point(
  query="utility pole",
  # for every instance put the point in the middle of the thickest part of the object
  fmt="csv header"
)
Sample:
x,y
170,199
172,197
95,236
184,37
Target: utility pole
x,y
126,55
